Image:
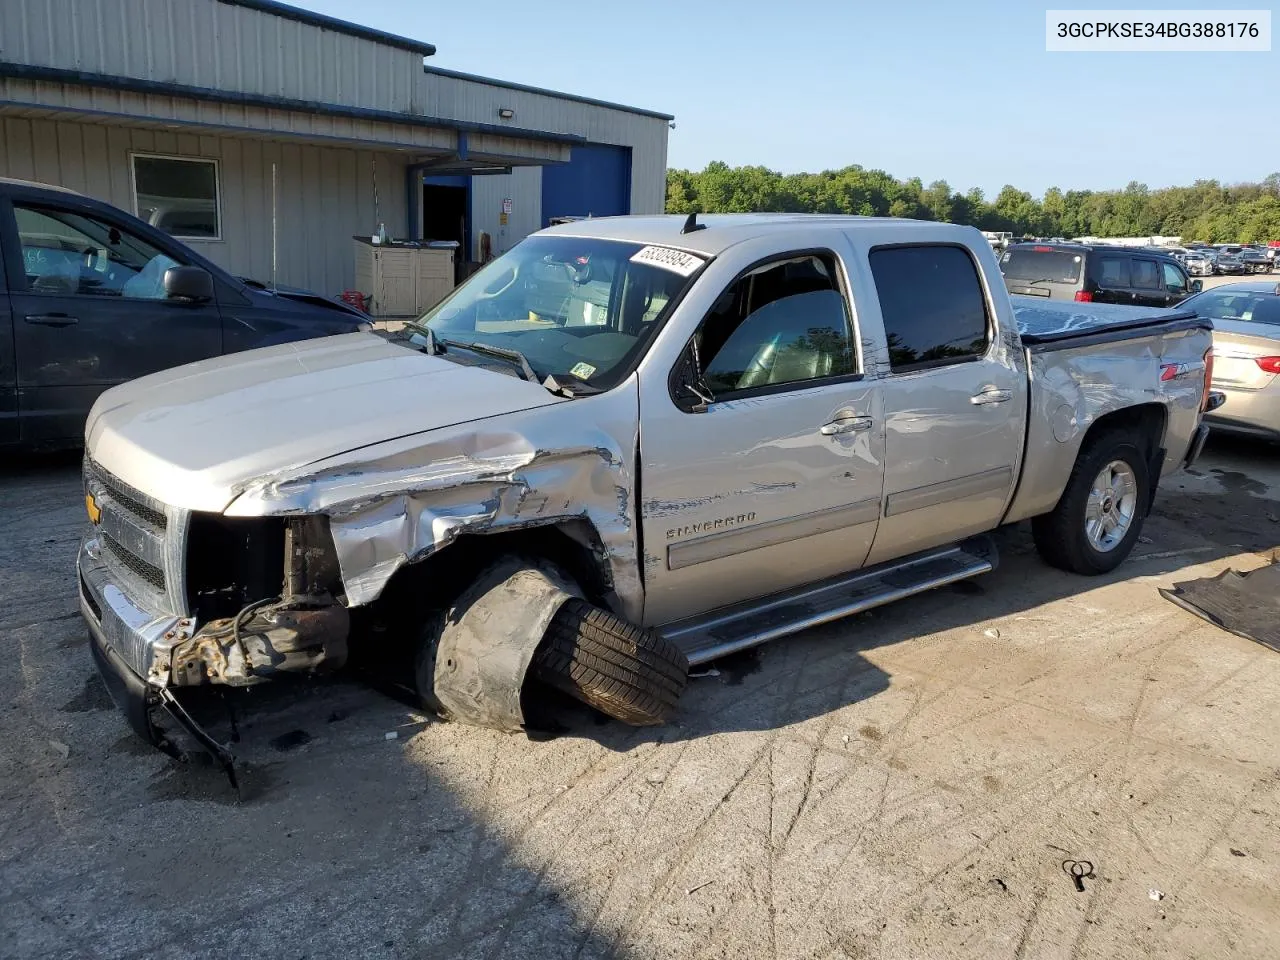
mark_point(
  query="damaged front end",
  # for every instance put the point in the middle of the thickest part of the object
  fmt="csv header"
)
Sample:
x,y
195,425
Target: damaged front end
x,y
180,599
299,626
267,585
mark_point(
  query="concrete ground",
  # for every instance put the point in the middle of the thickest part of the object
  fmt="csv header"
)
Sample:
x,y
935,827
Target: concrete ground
x,y
1211,282
903,785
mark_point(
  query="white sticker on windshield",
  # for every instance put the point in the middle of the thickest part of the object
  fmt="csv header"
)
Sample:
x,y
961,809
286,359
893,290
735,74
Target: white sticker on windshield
x,y
675,260
582,371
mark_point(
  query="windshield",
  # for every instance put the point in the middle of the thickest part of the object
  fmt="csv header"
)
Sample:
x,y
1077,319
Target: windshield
x,y
1248,305
577,309
1028,263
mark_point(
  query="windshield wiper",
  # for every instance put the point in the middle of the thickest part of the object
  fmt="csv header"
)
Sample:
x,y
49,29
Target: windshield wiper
x,y
433,348
515,356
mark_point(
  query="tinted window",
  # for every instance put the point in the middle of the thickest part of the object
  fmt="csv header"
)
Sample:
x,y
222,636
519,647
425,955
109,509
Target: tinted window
x,y
178,195
1174,279
1145,274
784,322
69,253
1113,271
932,303
1030,263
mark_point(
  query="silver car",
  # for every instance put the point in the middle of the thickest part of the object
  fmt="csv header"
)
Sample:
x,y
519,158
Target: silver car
x,y
1246,355
1198,263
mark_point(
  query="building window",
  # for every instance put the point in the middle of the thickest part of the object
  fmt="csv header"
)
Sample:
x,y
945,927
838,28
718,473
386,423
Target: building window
x,y
179,195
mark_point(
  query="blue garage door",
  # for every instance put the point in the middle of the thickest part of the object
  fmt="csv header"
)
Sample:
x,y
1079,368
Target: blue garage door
x,y
595,182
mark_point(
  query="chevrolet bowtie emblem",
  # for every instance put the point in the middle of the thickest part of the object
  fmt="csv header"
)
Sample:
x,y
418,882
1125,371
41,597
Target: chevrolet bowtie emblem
x,y
91,507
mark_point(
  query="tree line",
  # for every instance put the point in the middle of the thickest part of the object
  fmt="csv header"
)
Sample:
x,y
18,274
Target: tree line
x,y
1207,210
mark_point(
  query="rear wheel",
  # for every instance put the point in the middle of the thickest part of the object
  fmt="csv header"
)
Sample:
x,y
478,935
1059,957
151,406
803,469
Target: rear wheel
x,y
1099,516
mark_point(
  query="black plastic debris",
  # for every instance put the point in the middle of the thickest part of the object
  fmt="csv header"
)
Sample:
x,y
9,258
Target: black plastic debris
x,y
1246,604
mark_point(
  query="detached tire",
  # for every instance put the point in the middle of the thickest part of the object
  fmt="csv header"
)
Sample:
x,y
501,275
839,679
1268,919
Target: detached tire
x,y
633,675
1099,516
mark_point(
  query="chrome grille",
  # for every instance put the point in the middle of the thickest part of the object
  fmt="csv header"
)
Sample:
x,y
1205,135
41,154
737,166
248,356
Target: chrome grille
x,y
140,568
134,530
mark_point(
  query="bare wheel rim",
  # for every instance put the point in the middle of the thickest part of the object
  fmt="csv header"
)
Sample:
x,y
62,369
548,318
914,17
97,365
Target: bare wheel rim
x,y
1112,505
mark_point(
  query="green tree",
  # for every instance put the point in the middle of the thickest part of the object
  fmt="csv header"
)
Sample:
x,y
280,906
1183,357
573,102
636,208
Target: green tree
x,y
1205,210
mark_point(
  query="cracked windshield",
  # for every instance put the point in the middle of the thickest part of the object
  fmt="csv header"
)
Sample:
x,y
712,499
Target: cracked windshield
x,y
580,310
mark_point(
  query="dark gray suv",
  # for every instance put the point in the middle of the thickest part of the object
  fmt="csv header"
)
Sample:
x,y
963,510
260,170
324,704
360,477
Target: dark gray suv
x,y
1096,274
91,297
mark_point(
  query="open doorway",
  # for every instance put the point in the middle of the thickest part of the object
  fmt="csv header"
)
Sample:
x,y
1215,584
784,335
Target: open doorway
x,y
445,213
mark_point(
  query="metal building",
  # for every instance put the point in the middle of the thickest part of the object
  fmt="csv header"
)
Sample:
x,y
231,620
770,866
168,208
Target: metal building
x,y
184,111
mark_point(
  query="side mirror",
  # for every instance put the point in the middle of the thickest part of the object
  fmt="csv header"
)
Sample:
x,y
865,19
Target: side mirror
x,y
1197,286
188,283
689,390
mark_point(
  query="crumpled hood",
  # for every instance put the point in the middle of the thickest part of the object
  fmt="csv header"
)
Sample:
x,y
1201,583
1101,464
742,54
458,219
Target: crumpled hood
x,y
196,435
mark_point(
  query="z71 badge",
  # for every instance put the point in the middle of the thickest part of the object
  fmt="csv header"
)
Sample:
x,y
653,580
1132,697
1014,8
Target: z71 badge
x,y
711,526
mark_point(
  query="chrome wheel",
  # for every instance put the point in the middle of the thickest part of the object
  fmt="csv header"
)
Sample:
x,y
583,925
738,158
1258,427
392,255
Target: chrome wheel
x,y
1112,505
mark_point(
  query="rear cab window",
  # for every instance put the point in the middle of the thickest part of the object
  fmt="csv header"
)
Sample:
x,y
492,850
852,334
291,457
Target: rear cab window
x,y
933,305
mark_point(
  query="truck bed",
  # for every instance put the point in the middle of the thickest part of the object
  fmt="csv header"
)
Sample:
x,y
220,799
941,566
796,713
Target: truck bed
x,y
1043,323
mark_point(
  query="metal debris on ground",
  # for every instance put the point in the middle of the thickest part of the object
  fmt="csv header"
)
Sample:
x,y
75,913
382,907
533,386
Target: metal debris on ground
x,y
1155,894
693,890
1246,604
1078,871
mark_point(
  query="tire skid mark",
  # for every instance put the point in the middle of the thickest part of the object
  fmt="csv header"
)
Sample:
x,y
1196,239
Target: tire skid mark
x,y
641,910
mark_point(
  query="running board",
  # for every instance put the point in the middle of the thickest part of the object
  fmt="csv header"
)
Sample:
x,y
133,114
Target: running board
x,y
730,629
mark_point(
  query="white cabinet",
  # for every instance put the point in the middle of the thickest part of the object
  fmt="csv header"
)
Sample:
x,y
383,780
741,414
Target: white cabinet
x,y
404,279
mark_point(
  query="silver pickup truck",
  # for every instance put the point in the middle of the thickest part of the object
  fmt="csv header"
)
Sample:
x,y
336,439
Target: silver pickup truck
x,y
626,446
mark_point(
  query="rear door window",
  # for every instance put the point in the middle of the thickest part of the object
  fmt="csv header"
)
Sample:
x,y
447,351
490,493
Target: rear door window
x,y
932,303
1046,264
1146,274
1113,271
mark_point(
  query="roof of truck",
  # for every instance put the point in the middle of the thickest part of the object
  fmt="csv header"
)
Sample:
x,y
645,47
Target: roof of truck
x,y
723,230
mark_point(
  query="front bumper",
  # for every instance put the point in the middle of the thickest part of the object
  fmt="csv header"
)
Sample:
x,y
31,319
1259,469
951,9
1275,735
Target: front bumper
x,y
126,640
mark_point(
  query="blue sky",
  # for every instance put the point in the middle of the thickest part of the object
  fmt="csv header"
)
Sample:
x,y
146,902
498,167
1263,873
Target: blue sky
x,y
960,91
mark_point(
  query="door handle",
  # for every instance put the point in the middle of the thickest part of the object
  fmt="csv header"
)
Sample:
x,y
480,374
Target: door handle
x,y
51,319
992,395
846,425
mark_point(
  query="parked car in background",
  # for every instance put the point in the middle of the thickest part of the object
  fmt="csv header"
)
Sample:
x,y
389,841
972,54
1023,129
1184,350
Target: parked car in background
x,y
1229,264
1198,263
1096,274
1255,260
1246,355
91,297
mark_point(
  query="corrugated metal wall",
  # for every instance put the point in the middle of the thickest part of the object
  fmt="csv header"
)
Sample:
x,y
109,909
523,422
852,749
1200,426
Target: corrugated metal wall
x,y
325,195
209,44
524,186
647,136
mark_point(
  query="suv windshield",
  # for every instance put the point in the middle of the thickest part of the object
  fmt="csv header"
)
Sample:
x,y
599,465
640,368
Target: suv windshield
x,y
1041,263
576,308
